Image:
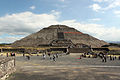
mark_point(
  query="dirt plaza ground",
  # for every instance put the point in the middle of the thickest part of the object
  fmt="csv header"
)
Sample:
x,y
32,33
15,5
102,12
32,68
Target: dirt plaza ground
x,y
66,67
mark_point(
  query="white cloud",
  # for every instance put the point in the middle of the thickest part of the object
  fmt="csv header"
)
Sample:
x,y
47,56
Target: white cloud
x,y
101,1
114,4
9,39
98,31
111,4
32,7
27,22
98,0
95,19
117,13
62,0
56,13
95,7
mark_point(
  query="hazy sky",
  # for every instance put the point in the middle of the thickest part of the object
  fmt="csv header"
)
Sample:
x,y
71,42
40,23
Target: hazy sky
x,y
99,18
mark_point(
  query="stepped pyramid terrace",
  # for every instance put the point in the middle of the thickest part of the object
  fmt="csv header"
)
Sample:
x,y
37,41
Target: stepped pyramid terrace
x,y
59,36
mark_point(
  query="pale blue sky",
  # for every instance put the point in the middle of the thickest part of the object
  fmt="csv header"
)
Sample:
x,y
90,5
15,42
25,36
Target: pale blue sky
x,y
103,14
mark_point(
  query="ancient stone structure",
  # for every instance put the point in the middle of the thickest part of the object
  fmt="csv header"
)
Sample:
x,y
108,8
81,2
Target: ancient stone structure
x,y
7,66
58,35
79,50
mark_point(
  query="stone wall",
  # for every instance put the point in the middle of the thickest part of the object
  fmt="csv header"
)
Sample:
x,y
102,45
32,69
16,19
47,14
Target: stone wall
x,y
79,50
7,66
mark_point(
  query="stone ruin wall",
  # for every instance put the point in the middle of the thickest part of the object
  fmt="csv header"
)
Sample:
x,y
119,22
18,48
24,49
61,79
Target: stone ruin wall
x,y
7,66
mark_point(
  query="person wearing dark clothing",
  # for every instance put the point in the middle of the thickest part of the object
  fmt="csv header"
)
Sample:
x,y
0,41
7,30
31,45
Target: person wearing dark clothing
x,y
54,58
89,56
13,54
115,57
110,57
49,55
80,56
10,54
28,57
23,54
105,59
119,57
56,55
7,54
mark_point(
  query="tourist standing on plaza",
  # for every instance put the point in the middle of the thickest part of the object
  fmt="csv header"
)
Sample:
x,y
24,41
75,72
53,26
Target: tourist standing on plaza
x,y
119,57
49,55
44,56
80,56
110,57
23,54
54,58
102,58
28,57
7,54
113,58
105,58
56,55
37,53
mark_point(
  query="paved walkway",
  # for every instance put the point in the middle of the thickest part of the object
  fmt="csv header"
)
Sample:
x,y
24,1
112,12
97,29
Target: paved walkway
x,y
65,68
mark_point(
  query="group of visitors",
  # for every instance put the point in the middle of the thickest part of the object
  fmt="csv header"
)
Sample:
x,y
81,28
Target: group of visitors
x,y
51,57
103,56
112,58
44,56
10,54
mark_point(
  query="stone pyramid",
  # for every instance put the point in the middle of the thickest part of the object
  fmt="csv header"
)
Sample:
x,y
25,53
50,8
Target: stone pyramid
x,y
58,35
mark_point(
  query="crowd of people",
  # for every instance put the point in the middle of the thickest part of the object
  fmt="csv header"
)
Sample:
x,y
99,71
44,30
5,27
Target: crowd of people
x,y
51,56
103,56
10,54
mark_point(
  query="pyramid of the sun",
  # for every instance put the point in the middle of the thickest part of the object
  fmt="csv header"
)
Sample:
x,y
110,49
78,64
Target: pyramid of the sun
x,y
58,35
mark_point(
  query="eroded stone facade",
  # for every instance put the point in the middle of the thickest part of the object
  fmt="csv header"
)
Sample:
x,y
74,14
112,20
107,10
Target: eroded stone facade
x,y
7,66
